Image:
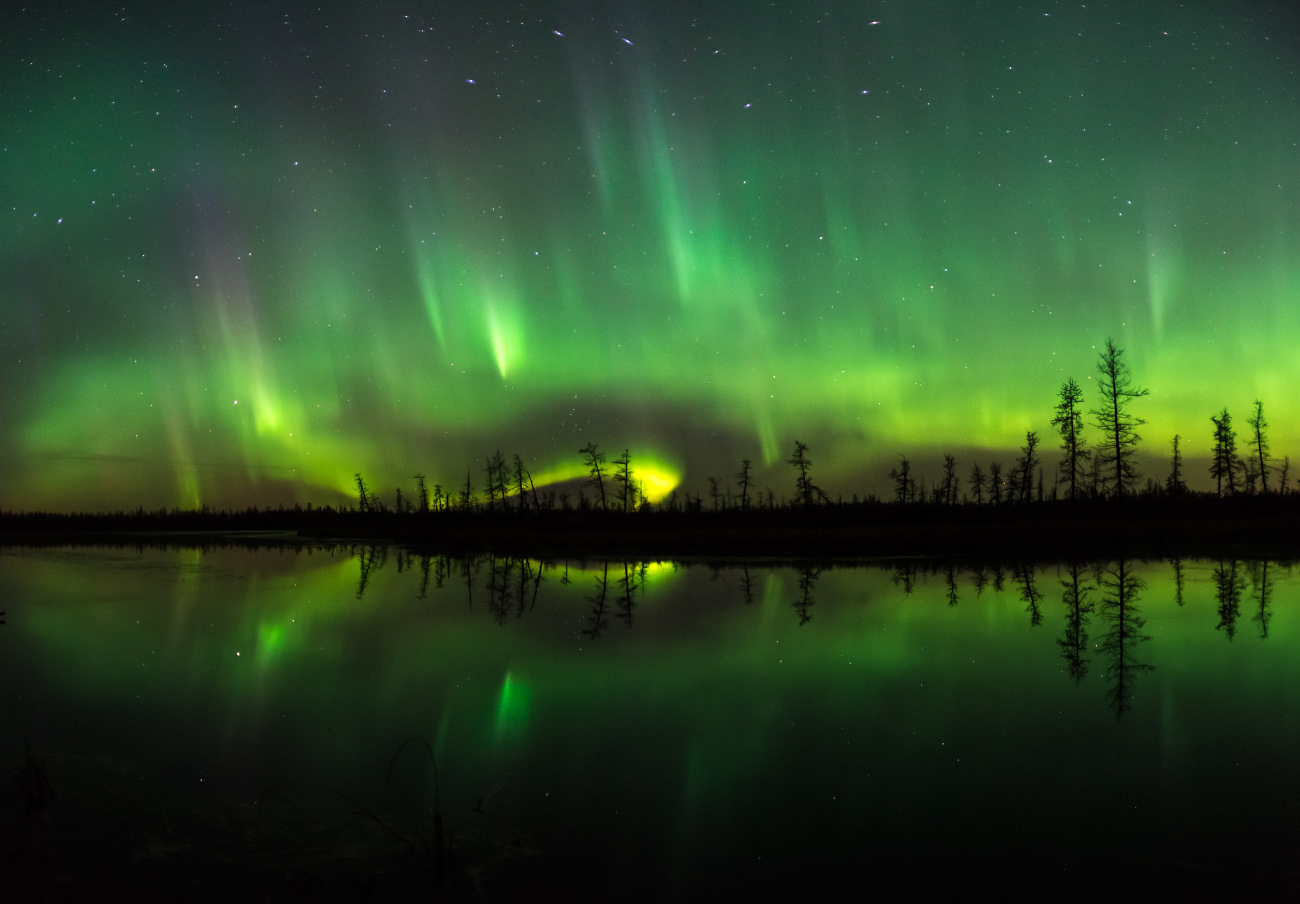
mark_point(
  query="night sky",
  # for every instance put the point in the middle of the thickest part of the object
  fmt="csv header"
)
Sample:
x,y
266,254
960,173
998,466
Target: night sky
x,y
250,249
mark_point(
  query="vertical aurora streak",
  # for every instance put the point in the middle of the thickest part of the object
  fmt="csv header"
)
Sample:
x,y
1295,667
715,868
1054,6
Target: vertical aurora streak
x,y
248,253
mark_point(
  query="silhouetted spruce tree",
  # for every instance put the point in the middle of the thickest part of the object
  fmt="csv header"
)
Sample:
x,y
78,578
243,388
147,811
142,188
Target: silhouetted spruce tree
x,y
1013,483
623,477
1094,478
995,483
363,496
421,494
904,485
496,481
467,493
977,484
948,488
1069,423
1025,466
1259,442
1223,457
1174,484
742,476
804,487
1119,427
1249,474
594,459
521,479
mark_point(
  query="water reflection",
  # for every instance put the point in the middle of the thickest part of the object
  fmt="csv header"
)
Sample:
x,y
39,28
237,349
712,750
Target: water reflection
x,y
1078,612
496,720
1109,592
1122,625
808,576
1259,579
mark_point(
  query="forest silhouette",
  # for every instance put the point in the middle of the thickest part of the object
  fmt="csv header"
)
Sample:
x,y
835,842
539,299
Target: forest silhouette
x,y
1095,498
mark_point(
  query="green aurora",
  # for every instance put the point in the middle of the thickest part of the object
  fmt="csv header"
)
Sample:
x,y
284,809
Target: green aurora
x,y
251,251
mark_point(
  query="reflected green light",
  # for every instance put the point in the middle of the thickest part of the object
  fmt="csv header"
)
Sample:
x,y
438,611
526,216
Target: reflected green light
x,y
512,707
270,640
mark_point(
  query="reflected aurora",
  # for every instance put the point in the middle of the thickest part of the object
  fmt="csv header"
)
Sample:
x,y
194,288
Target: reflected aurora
x,y
891,721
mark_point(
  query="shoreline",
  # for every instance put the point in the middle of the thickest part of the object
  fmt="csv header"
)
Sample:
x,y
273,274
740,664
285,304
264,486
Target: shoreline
x,y
1018,534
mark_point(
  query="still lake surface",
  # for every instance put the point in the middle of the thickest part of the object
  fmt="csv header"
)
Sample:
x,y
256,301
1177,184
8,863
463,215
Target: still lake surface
x,y
319,721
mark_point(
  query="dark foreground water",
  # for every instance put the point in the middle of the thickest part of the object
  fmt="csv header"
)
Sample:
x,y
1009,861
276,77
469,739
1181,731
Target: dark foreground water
x,y
353,723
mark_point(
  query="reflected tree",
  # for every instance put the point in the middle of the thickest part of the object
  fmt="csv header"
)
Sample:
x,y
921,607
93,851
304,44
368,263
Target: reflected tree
x,y
1177,564
632,582
369,558
746,584
1030,595
513,585
1123,624
1078,611
498,587
530,584
596,620
808,577
905,574
426,562
1229,585
468,564
1263,590
950,576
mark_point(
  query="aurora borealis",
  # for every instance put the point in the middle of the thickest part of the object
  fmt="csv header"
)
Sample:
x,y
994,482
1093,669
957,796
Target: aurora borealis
x,y
254,249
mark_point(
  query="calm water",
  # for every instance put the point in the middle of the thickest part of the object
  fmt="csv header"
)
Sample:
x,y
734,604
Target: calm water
x,y
298,719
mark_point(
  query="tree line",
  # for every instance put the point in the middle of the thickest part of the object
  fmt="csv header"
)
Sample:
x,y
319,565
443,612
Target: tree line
x,y
1104,470
1108,470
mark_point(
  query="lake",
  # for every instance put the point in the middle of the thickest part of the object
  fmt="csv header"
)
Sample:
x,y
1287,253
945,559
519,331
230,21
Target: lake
x,y
344,721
